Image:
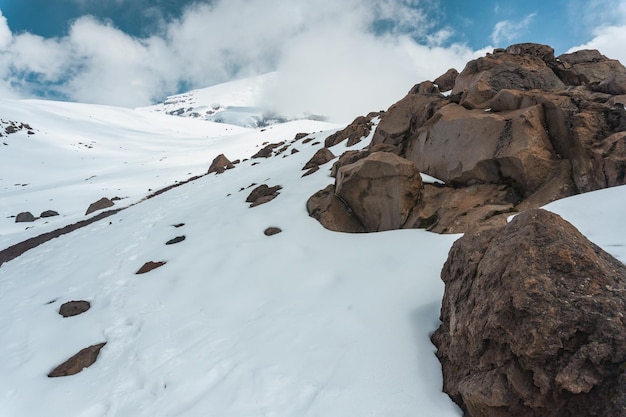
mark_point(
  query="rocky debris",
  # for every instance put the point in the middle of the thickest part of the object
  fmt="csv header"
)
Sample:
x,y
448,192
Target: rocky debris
x,y
220,164
380,190
267,150
263,194
332,213
445,82
270,231
175,240
83,359
529,127
320,157
24,217
48,213
354,132
99,205
310,171
11,127
299,136
74,308
149,266
532,322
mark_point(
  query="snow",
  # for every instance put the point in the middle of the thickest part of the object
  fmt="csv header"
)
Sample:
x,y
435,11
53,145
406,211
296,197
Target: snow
x,y
307,322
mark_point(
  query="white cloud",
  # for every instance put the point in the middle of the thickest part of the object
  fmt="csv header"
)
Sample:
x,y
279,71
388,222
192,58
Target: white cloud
x,y
325,51
508,30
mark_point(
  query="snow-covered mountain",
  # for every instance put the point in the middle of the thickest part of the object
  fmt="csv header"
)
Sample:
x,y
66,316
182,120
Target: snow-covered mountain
x,y
307,322
236,102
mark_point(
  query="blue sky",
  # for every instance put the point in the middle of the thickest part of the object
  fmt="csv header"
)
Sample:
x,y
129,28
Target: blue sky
x,y
132,52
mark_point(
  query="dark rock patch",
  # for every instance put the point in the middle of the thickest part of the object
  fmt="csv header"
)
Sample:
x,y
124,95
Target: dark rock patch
x,y
320,157
49,213
220,164
299,136
24,217
270,231
74,308
175,240
83,359
99,205
263,194
149,266
354,132
178,225
267,150
532,322
311,171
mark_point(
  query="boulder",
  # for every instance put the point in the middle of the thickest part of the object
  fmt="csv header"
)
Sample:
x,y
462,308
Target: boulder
x,y
175,240
271,231
24,217
464,147
99,205
354,132
267,150
380,190
220,164
149,266
403,118
532,322
320,157
332,213
83,359
74,308
445,82
48,213
591,68
263,194
349,157
519,67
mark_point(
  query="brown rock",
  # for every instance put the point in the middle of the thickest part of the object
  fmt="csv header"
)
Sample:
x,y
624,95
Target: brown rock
x,y
445,82
175,240
270,231
463,146
263,194
48,213
322,156
83,359
220,164
380,190
590,67
520,67
267,150
354,132
332,213
311,171
24,217
99,205
149,266
350,157
532,322
74,308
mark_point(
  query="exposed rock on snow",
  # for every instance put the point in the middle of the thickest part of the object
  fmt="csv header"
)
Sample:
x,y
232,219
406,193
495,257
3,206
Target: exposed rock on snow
x,y
320,157
74,308
99,205
521,128
220,164
532,322
24,217
267,150
333,213
270,231
175,240
354,132
149,266
263,194
49,213
445,82
83,359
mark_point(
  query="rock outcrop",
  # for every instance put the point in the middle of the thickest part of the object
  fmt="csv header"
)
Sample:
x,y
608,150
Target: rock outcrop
x,y
83,359
354,132
320,157
149,266
532,322
220,164
263,194
521,128
24,217
99,205
74,308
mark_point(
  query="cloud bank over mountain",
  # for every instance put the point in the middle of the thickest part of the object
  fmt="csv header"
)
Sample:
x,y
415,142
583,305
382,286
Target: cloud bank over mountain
x,y
356,54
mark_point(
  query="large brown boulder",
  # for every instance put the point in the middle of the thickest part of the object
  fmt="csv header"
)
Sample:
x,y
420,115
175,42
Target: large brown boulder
x,y
354,132
99,205
519,67
406,116
380,190
332,213
590,67
220,164
533,322
445,82
322,156
467,146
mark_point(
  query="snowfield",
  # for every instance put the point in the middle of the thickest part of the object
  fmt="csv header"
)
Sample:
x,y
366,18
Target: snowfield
x,y
307,322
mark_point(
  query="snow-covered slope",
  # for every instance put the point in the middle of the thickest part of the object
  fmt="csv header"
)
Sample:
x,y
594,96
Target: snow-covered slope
x,y
307,322
236,102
